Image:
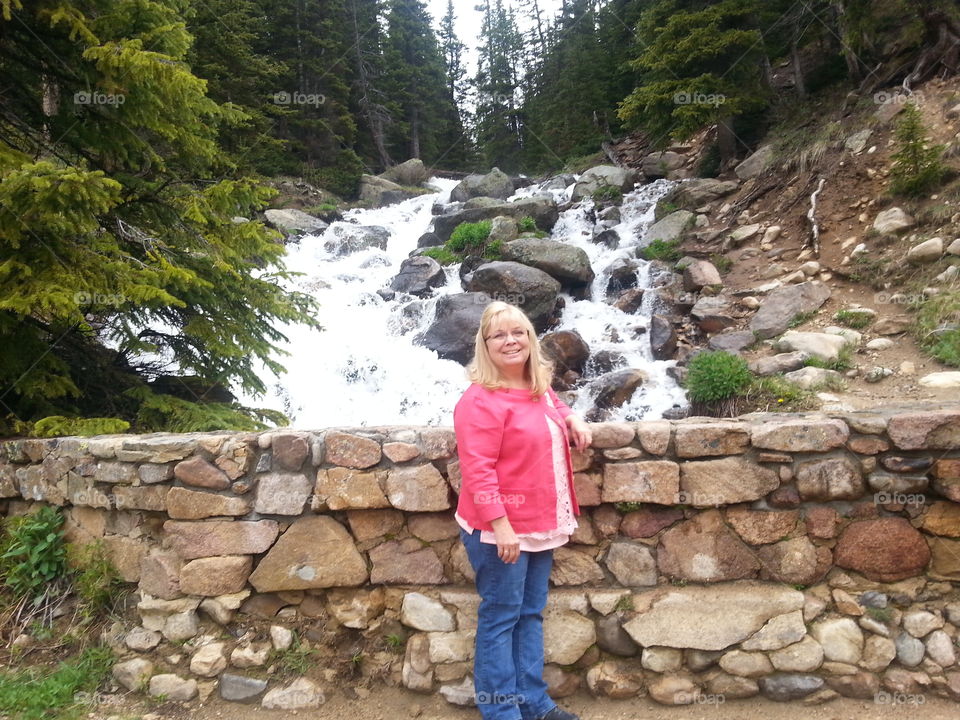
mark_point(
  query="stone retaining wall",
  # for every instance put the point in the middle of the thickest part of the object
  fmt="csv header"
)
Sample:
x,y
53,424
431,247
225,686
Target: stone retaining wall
x,y
797,556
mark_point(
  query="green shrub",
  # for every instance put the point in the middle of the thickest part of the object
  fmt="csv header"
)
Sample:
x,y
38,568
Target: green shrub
x,y
470,238
856,319
59,426
775,393
938,326
31,695
917,168
659,250
96,581
442,255
33,552
342,177
722,263
527,224
716,376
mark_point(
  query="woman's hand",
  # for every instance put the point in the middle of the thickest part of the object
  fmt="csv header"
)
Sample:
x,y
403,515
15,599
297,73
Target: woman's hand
x,y
580,432
508,546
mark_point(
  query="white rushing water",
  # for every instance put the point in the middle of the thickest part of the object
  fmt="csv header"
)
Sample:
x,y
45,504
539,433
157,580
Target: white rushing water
x,y
363,367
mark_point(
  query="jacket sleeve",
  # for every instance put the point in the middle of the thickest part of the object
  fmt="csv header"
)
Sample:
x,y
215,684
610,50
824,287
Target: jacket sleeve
x,y
478,424
561,406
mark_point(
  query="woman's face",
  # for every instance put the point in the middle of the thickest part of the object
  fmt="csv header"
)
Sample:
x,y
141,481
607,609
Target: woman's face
x,y
509,346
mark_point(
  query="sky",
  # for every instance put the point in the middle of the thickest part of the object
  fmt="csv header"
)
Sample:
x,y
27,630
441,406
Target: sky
x,y
469,20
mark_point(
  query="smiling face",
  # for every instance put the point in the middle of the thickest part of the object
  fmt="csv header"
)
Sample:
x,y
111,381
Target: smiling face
x,y
508,344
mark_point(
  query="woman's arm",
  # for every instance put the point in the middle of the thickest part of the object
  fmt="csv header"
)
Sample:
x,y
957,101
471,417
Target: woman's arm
x,y
579,430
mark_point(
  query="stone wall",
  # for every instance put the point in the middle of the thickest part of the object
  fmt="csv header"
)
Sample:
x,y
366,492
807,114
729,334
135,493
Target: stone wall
x,y
797,556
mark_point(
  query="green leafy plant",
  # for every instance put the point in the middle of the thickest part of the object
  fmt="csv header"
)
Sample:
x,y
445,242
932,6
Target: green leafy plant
x,y
527,224
843,362
627,507
34,552
717,376
394,642
96,580
666,251
442,255
722,263
31,695
775,393
470,238
856,319
917,167
59,426
624,604
938,326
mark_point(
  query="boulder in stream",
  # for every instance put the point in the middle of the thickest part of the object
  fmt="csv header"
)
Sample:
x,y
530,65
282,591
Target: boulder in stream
x,y
454,328
531,289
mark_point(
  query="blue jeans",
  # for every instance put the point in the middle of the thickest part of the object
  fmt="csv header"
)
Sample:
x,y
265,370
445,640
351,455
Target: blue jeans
x,y
508,661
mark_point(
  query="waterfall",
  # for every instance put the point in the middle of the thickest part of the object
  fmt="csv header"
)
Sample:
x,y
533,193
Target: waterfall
x,y
363,368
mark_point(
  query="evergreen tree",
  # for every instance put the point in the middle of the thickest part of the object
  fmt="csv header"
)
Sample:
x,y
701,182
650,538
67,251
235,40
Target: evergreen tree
x,y
417,82
700,62
459,151
498,128
119,261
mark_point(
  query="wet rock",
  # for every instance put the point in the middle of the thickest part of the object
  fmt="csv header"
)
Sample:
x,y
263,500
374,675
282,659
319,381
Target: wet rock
x,y
542,210
533,290
663,337
603,176
616,388
378,192
294,222
567,349
348,239
564,262
495,184
452,333
418,276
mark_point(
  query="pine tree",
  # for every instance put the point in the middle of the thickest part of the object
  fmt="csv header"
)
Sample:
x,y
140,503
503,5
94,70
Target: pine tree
x,y
699,63
498,128
119,261
917,165
417,82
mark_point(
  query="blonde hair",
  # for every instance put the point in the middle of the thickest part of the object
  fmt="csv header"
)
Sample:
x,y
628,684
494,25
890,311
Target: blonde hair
x,y
539,370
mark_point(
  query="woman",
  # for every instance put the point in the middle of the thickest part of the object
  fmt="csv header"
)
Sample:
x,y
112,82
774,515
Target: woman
x,y
516,504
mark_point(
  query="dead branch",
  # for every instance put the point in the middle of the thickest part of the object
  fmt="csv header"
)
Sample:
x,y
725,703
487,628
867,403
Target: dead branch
x,y
814,240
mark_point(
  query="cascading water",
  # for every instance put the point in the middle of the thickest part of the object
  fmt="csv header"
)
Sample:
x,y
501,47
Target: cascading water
x,y
363,368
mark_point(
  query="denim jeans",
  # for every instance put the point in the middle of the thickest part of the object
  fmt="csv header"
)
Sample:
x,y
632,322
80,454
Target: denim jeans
x,y
508,662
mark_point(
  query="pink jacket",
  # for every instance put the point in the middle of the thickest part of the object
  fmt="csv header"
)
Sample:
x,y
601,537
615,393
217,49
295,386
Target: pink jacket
x,y
506,459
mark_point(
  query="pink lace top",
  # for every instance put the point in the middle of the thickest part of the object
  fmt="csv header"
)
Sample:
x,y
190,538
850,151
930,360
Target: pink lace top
x,y
566,520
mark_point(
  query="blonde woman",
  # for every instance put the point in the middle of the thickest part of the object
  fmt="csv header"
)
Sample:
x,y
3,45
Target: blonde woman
x,y
517,504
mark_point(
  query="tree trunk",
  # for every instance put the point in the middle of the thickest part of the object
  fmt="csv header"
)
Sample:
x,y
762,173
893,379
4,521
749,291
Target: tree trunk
x,y
854,70
415,132
797,66
726,142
